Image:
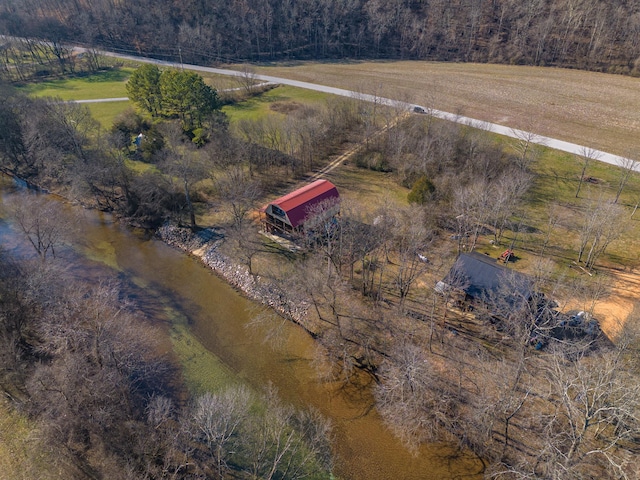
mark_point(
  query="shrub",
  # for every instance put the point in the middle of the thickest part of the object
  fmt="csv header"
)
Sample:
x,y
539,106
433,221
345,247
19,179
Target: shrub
x,y
421,191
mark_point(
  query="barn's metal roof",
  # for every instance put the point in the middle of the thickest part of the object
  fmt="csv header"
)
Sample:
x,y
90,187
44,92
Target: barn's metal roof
x,y
298,203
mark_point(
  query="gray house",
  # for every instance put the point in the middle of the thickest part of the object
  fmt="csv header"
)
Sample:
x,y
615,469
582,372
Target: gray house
x,y
482,278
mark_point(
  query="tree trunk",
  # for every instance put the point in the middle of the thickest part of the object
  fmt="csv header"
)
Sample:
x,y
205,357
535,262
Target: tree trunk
x,y
192,213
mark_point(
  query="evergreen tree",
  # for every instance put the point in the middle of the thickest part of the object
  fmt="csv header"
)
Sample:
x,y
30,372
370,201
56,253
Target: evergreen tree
x,y
143,88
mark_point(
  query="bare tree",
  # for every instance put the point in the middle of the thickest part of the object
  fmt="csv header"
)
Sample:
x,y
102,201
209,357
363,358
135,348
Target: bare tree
x,y
323,233
413,400
527,147
237,191
327,295
246,243
587,156
499,408
595,403
506,195
274,449
553,218
187,165
43,222
603,223
101,366
627,167
472,209
247,79
358,238
217,419
410,242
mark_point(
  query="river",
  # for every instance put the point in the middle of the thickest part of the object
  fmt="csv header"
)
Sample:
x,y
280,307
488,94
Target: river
x,y
167,280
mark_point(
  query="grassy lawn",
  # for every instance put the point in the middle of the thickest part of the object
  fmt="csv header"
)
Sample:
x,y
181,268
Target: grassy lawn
x,y
106,112
367,190
557,176
220,82
557,183
108,84
275,101
19,457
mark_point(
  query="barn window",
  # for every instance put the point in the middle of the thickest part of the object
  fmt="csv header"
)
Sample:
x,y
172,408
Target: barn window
x,y
277,211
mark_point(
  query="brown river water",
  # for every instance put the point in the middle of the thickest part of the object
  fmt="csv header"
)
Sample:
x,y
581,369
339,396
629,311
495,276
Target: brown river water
x,y
218,315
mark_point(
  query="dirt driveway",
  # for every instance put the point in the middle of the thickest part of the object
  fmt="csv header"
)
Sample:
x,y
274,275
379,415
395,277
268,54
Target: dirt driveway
x,y
617,309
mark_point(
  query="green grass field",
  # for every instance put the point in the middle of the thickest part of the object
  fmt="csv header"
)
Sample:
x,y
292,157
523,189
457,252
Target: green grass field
x,y
107,84
106,112
557,182
111,84
275,101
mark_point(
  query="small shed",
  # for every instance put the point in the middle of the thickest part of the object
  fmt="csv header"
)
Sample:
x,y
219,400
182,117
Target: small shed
x,y
302,209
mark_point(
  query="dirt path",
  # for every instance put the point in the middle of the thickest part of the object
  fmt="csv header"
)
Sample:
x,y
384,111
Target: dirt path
x,y
352,151
616,310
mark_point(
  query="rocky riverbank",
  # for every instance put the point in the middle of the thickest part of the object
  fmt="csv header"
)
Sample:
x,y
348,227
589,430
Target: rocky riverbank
x,y
205,244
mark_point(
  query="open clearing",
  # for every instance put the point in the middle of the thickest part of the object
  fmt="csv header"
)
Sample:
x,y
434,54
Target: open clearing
x,y
107,84
598,110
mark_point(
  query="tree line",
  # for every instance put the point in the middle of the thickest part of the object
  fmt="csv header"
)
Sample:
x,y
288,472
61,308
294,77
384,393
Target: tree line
x,y
588,34
188,156
24,59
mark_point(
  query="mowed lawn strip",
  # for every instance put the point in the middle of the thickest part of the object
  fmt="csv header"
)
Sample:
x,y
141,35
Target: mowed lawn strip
x,y
281,99
599,110
105,113
107,84
556,182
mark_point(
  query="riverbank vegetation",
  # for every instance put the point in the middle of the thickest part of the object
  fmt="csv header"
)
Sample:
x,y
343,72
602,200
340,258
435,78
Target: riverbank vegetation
x,y
87,393
365,291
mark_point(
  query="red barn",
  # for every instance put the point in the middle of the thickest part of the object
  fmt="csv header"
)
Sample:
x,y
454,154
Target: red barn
x,y
302,209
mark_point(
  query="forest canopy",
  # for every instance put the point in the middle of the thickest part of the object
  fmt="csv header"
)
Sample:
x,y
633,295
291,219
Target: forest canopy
x,y
589,34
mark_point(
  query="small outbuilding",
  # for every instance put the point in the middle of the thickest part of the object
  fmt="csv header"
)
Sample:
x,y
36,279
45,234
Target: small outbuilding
x,y
302,210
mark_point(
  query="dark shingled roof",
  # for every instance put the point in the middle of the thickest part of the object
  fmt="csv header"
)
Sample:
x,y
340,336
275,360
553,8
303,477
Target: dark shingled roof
x,y
481,277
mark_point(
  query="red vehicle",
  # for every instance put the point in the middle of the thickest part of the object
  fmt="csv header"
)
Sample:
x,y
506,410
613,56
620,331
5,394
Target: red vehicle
x,y
506,255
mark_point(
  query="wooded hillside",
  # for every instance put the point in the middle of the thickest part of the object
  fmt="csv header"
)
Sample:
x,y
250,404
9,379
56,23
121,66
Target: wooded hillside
x,y
589,34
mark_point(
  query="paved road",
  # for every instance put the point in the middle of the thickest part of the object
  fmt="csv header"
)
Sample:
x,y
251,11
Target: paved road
x,y
102,100
490,127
